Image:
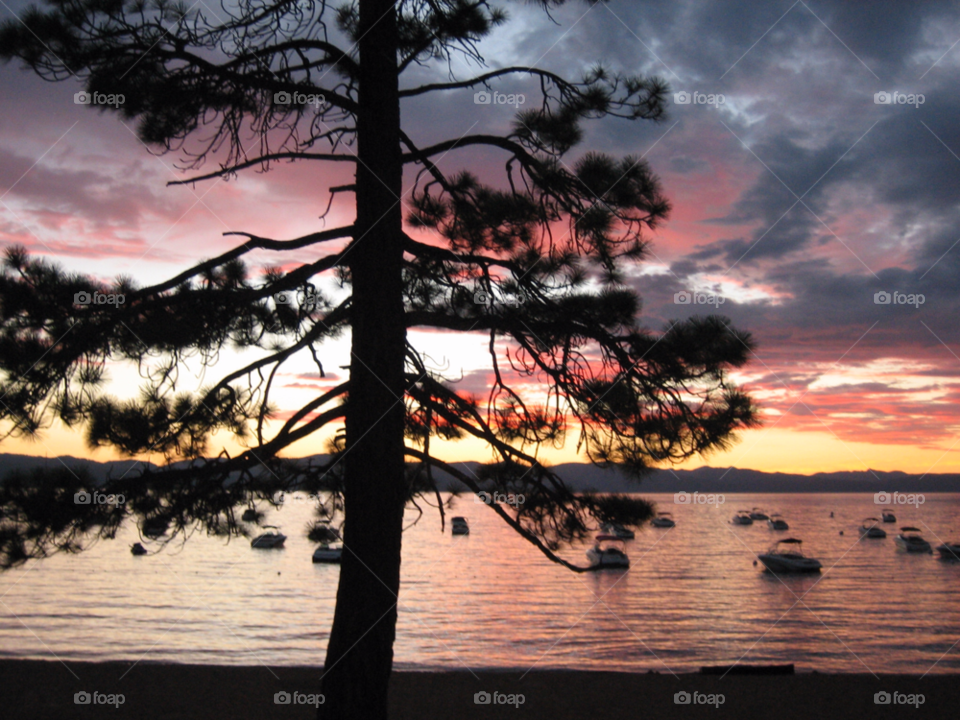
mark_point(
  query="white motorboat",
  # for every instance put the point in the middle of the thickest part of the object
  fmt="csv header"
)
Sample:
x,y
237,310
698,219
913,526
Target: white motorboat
x,y
742,518
138,549
776,522
786,556
618,531
608,552
909,540
458,526
272,538
327,554
949,551
870,530
758,514
663,520
888,517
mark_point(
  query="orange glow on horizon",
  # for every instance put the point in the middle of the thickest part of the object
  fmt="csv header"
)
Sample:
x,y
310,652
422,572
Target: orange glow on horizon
x,y
769,450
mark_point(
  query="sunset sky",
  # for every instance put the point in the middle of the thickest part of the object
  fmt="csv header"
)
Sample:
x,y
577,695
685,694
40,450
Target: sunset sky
x,y
795,201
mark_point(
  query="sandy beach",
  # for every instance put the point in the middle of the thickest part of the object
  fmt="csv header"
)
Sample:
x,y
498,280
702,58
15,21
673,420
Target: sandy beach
x,y
38,690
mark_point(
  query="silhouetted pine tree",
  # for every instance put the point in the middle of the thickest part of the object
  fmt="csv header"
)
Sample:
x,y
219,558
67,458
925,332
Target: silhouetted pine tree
x,y
548,244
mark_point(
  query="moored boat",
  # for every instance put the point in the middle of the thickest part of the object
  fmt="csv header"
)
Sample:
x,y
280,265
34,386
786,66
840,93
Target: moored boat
x,y
608,552
776,522
949,551
269,540
786,556
870,530
327,554
617,530
663,520
909,540
458,526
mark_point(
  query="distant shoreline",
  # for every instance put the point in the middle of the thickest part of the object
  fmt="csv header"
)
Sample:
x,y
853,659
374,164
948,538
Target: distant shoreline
x,y
581,477
37,689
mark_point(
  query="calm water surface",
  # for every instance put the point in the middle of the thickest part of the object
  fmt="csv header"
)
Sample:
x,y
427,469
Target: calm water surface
x,y
692,597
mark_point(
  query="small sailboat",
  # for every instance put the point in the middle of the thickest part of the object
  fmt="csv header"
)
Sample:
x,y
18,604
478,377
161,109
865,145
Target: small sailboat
x,y
742,518
909,540
138,549
608,552
776,522
327,554
458,526
663,520
269,540
870,530
786,556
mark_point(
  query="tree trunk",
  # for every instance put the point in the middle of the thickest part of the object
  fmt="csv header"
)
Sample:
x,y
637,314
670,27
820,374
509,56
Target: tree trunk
x,y
360,652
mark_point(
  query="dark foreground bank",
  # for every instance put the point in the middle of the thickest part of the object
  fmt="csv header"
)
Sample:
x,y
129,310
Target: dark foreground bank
x,y
41,689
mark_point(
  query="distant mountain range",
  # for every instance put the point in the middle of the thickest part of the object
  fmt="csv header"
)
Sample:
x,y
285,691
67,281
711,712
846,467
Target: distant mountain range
x,y
582,477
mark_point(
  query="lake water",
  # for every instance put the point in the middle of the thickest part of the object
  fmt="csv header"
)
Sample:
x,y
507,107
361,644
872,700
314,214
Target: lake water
x,y
692,597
